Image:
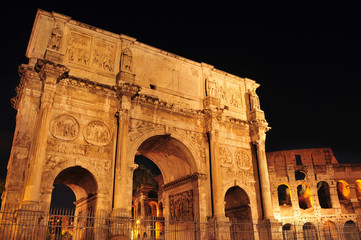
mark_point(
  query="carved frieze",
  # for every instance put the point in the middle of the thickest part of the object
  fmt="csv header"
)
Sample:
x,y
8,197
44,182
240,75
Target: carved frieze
x,y
97,133
64,127
103,56
65,147
229,94
79,49
181,206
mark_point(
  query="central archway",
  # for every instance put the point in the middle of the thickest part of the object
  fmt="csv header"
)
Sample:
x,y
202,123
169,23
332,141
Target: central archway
x,y
176,188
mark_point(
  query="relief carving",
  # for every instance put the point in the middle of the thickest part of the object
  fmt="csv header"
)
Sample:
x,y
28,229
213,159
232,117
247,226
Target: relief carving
x,y
225,157
55,38
79,49
243,159
97,133
104,55
231,95
181,206
64,127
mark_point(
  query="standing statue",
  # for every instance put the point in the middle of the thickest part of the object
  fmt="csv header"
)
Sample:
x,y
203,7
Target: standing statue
x,y
126,61
254,100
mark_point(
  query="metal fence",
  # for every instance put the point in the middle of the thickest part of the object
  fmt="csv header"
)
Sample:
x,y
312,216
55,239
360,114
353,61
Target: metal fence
x,y
60,224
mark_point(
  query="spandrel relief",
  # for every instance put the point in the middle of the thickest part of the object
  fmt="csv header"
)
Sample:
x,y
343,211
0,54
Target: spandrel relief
x,y
103,55
79,49
64,127
97,133
243,159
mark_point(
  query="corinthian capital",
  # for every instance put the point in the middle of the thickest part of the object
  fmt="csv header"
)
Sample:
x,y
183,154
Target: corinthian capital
x,y
129,90
50,72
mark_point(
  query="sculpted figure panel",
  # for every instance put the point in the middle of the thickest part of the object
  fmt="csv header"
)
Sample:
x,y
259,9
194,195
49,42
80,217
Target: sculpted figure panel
x,y
225,156
229,93
181,206
55,38
79,49
64,127
97,133
104,55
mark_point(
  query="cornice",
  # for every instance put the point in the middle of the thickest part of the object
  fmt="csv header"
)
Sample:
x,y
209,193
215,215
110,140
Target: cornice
x,y
184,180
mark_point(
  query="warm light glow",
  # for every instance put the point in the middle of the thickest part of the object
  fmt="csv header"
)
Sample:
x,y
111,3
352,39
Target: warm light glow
x,y
343,190
358,189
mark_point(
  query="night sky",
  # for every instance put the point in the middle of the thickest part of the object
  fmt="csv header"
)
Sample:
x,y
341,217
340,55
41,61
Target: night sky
x,y
305,55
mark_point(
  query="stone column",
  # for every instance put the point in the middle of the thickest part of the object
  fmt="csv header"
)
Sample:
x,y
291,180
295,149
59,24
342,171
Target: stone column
x,y
264,180
122,191
121,163
50,74
218,198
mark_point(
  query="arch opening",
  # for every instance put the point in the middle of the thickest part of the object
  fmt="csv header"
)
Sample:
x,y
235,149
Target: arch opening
x,y
358,189
309,231
304,196
78,186
284,195
324,196
330,231
238,211
300,175
288,232
351,231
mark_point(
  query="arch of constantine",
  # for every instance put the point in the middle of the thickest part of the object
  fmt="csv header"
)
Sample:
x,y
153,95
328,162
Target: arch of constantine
x,y
94,108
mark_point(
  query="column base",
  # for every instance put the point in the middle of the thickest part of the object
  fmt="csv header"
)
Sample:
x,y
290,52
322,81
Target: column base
x,y
269,229
121,224
219,228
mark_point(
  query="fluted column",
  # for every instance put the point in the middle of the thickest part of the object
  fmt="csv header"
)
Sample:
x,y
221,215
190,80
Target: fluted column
x,y
49,73
218,198
264,180
121,162
123,165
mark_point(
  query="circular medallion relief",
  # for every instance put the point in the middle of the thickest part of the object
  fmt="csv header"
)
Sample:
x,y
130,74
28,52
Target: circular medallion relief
x,y
64,127
97,133
243,159
225,157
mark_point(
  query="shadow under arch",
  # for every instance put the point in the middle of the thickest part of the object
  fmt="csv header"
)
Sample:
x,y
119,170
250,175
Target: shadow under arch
x,y
172,156
238,210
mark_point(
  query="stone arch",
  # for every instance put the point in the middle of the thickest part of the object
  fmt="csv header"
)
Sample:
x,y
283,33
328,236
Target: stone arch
x,y
358,189
304,196
300,175
51,175
323,193
289,232
147,143
284,195
194,160
238,210
351,231
330,230
309,231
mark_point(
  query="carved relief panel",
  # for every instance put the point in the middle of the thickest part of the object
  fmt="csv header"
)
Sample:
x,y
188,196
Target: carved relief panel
x,y
181,206
64,127
236,164
87,50
104,53
79,48
229,94
97,133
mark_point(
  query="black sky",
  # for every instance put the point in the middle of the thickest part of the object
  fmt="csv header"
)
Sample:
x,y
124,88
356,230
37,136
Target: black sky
x,y
306,56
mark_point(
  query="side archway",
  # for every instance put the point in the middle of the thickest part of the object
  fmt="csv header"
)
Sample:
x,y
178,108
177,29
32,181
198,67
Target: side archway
x,y
238,210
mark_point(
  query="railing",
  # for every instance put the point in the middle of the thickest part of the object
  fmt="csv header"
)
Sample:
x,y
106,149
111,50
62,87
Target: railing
x,y
60,224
